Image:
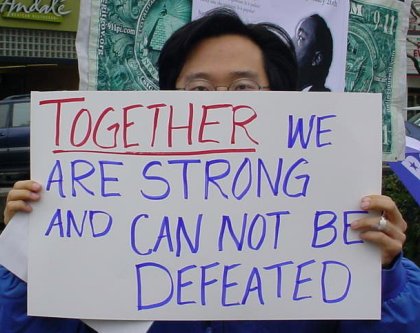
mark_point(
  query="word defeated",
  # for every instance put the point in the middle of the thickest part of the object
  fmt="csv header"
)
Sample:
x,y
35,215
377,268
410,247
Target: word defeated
x,y
235,284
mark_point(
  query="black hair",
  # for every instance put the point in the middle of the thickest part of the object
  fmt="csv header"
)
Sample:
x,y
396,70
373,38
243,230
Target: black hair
x,y
276,46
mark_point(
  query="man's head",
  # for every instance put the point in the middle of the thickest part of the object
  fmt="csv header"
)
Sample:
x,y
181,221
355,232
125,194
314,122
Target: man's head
x,y
220,48
314,50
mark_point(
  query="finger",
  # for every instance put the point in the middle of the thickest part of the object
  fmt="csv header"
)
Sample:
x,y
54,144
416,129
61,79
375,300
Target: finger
x,y
30,185
371,223
24,190
382,203
12,207
18,198
390,248
26,195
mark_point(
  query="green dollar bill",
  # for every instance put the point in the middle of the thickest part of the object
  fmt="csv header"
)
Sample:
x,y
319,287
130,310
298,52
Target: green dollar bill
x,y
376,62
126,38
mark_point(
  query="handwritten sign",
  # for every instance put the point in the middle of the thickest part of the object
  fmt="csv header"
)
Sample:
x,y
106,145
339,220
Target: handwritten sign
x,y
202,206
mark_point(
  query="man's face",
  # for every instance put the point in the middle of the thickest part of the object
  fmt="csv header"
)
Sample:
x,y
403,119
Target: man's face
x,y
222,60
305,42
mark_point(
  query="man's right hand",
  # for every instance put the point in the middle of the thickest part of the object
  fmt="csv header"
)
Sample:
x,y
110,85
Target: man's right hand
x,y
19,198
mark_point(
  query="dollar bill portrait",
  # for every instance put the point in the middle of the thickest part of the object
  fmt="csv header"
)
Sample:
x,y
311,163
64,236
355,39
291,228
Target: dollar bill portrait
x,y
314,52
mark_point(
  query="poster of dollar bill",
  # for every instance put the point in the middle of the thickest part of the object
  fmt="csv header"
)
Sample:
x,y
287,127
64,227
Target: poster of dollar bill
x,y
119,43
125,39
377,62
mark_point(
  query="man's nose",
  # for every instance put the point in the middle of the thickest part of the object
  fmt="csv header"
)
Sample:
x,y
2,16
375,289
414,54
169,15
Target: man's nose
x,y
223,88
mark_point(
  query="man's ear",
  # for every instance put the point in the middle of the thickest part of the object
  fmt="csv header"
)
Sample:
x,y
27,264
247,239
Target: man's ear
x,y
317,58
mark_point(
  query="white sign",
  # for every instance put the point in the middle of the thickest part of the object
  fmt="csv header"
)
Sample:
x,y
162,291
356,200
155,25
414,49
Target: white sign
x,y
202,206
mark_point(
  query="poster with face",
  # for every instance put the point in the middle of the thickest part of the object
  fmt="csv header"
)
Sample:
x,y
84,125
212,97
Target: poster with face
x,y
318,29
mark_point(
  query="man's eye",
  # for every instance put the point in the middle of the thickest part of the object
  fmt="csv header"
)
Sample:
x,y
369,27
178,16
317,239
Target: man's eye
x,y
199,85
244,86
300,36
200,88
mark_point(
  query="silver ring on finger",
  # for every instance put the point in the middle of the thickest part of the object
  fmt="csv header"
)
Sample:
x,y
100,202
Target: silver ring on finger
x,y
382,224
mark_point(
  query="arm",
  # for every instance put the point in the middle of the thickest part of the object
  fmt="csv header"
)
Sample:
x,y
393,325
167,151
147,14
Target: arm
x,y
13,291
400,302
400,277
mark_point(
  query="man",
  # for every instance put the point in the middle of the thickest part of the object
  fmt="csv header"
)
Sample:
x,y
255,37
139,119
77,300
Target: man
x,y
271,45
219,52
314,52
